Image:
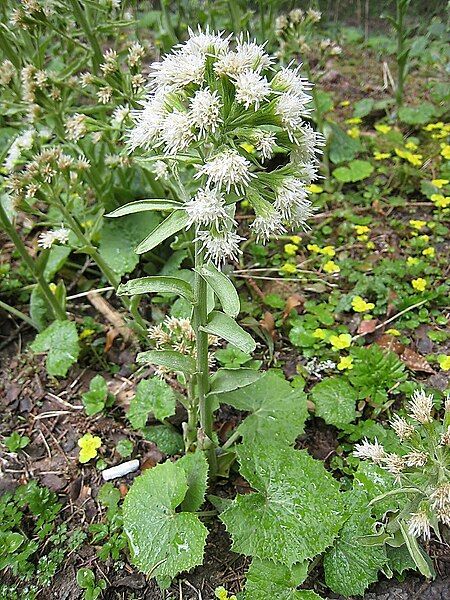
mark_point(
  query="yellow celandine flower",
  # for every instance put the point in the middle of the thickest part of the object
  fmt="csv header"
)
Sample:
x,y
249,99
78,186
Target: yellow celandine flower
x,y
419,284
354,120
331,267
314,189
381,128
313,247
411,261
344,103
353,132
417,224
295,239
393,331
361,229
346,362
360,305
341,341
328,251
222,594
414,159
440,200
445,152
424,238
439,183
381,155
319,333
86,333
89,445
411,146
444,362
290,249
289,269
433,126
363,238
370,245
429,251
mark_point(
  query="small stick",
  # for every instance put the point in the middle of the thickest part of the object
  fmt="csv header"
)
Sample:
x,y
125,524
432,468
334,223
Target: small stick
x,y
402,312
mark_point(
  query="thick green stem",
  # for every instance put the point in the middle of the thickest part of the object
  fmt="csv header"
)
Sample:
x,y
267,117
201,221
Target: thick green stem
x,y
205,432
18,313
49,297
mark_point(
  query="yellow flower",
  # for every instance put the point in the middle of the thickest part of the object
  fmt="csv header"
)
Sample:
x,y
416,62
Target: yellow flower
x,y
341,341
440,201
313,247
411,261
417,224
419,284
328,251
295,239
381,155
433,126
360,305
331,267
319,334
89,444
353,132
361,229
411,146
86,333
392,331
290,249
354,120
381,128
439,183
363,238
444,362
429,251
345,103
346,362
222,594
414,159
370,245
445,152
289,269
248,147
424,238
314,189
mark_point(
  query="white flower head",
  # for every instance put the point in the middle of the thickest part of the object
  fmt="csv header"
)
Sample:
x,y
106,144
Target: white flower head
x,y
176,131
291,109
440,498
227,169
204,111
48,238
247,56
419,525
416,459
148,122
220,245
160,169
265,226
207,207
291,200
402,428
370,451
251,89
265,141
290,80
178,70
120,113
204,42
420,406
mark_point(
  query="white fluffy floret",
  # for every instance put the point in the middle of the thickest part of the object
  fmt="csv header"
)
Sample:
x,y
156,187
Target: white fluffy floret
x,y
178,69
265,226
205,111
289,80
207,207
251,89
220,245
148,123
176,132
291,200
291,109
228,169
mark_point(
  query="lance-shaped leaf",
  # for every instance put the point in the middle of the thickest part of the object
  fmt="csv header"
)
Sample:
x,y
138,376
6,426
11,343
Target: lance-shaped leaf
x,y
152,396
175,361
296,511
266,579
223,288
163,542
170,226
159,284
277,411
350,566
144,206
225,327
227,380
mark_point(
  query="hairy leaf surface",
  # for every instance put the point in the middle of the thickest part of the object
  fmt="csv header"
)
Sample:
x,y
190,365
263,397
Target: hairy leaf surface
x,y
266,579
296,511
335,400
152,396
60,341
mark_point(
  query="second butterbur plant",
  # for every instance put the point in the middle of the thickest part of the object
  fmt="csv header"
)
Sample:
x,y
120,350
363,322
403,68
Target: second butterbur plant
x,y
421,471
221,124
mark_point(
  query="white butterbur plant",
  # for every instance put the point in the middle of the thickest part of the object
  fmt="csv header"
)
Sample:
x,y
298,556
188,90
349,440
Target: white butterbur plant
x,y
421,472
221,124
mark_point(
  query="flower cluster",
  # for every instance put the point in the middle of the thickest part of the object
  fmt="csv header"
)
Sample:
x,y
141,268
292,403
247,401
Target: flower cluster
x,y
176,334
220,106
423,465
